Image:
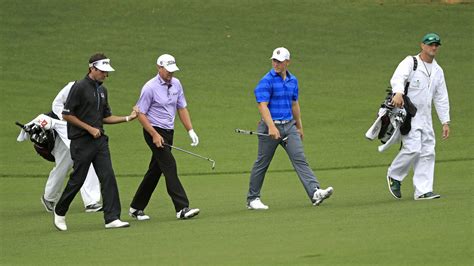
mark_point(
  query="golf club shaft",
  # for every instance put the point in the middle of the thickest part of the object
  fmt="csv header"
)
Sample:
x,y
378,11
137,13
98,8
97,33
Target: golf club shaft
x,y
249,132
192,153
18,124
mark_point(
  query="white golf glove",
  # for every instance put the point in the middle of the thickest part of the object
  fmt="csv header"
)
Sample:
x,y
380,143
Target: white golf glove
x,y
194,137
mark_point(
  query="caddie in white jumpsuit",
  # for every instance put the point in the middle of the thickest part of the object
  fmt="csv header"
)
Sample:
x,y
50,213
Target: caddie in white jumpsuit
x,y
427,86
90,191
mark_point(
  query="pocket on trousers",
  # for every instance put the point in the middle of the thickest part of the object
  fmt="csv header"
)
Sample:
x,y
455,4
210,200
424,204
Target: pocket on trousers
x,y
75,149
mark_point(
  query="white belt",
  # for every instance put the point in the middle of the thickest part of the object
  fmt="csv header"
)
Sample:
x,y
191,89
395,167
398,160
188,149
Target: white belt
x,y
281,122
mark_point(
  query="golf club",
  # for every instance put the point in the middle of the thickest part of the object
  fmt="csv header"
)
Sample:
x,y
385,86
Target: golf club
x,y
193,154
249,132
20,125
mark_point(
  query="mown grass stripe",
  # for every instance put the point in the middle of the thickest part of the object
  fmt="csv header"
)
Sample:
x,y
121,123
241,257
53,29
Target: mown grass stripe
x,y
248,171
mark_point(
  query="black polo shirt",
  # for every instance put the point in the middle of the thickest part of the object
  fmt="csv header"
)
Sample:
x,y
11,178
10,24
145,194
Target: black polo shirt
x,y
87,101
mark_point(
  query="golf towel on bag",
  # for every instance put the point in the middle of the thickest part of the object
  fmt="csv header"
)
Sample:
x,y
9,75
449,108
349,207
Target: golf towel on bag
x,y
42,131
387,127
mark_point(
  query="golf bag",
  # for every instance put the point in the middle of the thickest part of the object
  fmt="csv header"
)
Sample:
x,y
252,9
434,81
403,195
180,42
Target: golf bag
x,y
391,121
387,125
42,135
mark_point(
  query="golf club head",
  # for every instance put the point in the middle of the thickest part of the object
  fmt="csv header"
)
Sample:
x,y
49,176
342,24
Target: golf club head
x,y
241,131
213,164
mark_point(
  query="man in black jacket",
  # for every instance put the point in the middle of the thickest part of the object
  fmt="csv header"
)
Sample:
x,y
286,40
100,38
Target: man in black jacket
x,y
86,110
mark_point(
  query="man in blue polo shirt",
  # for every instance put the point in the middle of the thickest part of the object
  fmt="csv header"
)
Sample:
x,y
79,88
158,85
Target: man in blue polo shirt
x,y
277,98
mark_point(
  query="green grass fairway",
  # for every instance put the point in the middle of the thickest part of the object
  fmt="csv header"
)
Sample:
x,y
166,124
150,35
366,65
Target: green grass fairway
x,y
343,53
360,224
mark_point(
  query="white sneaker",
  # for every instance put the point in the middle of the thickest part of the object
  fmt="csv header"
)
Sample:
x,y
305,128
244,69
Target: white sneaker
x,y
138,214
187,213
116,224
321,194
60,222
256,204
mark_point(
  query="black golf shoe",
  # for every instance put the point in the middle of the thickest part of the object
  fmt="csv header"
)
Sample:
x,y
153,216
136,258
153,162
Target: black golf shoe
x,y
394,187
427,196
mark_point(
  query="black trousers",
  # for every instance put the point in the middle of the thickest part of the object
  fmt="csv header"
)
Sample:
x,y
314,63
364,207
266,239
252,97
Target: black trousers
x,y
162,162
84,151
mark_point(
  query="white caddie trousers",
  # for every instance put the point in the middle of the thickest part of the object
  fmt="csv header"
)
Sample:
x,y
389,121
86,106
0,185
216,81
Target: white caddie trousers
x,y
418,149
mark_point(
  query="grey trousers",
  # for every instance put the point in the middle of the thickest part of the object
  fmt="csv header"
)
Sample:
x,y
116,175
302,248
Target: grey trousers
x,y
293,147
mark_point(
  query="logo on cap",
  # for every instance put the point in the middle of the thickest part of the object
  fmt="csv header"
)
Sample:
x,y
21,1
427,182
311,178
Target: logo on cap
x,y
278,51
167,63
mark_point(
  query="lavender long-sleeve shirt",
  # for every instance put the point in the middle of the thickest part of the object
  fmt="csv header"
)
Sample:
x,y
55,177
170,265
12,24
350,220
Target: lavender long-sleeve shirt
x,y
159,101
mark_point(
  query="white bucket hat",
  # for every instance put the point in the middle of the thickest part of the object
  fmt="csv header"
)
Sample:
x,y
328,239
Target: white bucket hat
x,y
281,54
102,65
168,62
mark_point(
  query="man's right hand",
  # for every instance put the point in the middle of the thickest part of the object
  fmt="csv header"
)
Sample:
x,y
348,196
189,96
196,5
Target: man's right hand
x,y
273,132
95,132
158,140
397,100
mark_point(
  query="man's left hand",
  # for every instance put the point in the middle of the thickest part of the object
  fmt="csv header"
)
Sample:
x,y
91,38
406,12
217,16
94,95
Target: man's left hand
x,y
300,131
445,131
194,137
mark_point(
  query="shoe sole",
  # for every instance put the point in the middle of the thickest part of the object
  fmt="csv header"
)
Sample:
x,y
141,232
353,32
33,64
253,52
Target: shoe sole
x,y
390,190
116,227
94,210
428,198
255,209
45,206
329,195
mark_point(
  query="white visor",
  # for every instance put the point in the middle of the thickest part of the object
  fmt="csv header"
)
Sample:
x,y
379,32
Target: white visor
x,y
102,65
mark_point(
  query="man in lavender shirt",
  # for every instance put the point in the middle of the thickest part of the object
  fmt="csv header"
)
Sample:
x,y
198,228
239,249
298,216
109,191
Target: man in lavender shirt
x,y
160,98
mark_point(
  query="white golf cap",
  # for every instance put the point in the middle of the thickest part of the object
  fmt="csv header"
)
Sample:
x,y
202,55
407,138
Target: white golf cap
x,y
102,65
167,61
281,54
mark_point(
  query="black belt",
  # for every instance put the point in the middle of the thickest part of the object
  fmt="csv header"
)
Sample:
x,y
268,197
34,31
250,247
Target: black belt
x,y
164,129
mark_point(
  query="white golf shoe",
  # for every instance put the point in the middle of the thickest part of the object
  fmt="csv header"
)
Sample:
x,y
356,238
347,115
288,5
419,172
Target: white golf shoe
x,y
321,194
116,224
187,213
138,214
60,222
256,204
